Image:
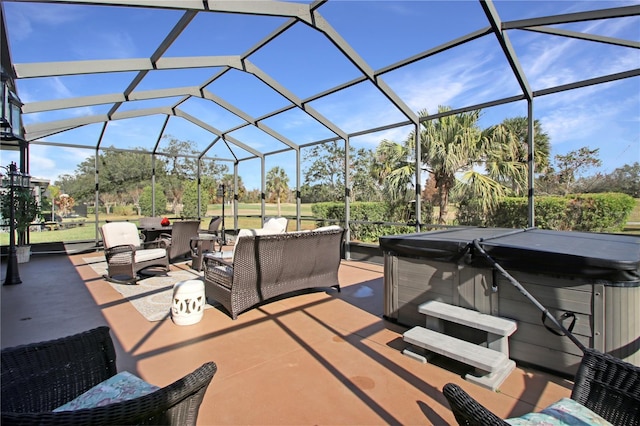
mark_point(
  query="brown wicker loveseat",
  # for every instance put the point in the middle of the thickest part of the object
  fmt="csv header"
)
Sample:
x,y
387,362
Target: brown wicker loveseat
x,y
267,266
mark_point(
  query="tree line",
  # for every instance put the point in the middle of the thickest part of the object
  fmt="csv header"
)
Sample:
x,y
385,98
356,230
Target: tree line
x,y
462,164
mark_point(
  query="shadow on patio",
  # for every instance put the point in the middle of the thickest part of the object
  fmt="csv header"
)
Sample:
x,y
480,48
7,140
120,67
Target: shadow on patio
x,y
316,358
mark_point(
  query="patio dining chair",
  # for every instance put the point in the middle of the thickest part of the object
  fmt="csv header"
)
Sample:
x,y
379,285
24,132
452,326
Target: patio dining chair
x,y
150,222
180,238
127,254
40,379
605,385
214,226
205,242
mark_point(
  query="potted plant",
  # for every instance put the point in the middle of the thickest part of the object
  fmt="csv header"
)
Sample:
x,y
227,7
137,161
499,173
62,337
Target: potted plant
x,y
26,210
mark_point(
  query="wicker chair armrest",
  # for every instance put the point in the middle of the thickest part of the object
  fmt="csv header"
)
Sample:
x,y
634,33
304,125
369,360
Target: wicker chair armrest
x,y
175,404
468,411
218,271
609,387
42,376
124,248
212,261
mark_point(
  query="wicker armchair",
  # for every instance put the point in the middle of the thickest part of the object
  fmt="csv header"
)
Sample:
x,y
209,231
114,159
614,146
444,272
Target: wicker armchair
x,y
39,377
127,254
604,384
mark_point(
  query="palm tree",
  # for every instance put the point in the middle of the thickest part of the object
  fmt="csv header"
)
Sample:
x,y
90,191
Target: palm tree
x,y
450,145
393,170
508,164
277,184
455,151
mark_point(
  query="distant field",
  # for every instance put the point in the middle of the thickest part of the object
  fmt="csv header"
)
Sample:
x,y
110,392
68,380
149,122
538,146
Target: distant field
x,y
87,231
633,226
288,209
635,214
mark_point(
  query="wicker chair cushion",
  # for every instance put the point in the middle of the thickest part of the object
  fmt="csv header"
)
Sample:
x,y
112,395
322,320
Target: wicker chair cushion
x,y
275,225
121,387
564,412
256,231
120,233
328,228
141,256
149,254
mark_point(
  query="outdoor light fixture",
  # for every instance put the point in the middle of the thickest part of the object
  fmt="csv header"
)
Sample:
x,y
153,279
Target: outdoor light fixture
x,y
11,120
221,193
13,180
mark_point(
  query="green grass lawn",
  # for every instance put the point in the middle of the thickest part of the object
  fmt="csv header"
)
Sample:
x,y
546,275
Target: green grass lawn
x,y
633,225
86,232
635,214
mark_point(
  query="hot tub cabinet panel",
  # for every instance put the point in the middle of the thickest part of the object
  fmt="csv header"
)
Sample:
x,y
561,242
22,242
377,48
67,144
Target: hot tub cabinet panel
x,y
592,277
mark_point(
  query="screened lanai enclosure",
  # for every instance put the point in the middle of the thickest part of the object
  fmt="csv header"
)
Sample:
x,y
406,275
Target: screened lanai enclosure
x,y
214,93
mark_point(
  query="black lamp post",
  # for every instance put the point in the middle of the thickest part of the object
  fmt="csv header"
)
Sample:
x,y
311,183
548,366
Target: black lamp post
x,y
12,136
14,180
221,193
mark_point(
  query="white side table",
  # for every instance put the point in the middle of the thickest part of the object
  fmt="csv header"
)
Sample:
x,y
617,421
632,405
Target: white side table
x,y
188,302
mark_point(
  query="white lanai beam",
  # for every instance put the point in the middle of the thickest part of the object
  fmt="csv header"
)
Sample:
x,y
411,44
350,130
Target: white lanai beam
x,y
246,117
265,78
616,12
583,36
496,24
177,29
507,48
324,27
85,101
217,132
269,8
92,119
54,69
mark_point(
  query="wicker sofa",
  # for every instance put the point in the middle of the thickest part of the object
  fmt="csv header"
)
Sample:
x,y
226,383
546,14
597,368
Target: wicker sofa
x,y
267,266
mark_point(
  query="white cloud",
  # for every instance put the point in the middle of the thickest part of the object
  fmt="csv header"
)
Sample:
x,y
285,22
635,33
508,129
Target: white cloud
x,y
119,45
24,18
588,115
52,162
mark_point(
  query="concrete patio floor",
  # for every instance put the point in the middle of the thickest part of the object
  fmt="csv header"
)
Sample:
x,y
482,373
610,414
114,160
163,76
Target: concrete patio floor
x,y
317,358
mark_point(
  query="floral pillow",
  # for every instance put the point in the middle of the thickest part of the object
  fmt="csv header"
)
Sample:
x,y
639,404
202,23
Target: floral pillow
x,y
564,412
121,387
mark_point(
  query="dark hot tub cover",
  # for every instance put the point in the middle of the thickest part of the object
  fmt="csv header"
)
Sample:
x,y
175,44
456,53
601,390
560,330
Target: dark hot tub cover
x,y
611,258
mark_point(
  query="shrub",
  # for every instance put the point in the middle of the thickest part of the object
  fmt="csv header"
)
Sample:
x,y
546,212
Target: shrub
x,y
145,201
583,212
122,210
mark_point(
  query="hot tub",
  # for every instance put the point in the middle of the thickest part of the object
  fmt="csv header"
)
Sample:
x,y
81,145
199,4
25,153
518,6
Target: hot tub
x,y
594,278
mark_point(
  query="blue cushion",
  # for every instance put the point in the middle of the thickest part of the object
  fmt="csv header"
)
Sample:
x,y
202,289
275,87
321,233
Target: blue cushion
x,y
564,412
121,387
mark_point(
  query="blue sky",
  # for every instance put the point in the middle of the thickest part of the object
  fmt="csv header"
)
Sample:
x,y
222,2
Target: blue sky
x,y
302,60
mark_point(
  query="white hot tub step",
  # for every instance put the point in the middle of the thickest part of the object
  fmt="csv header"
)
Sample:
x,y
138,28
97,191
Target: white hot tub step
x,y
469,353
492,367
489,323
